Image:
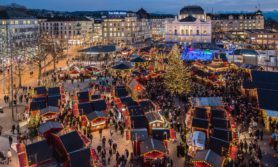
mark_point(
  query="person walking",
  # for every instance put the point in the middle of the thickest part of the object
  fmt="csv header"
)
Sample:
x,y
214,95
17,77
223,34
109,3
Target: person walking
x,y
10,140
13,129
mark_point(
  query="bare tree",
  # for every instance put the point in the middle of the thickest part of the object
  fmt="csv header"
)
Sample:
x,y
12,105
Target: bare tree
x,y
57,47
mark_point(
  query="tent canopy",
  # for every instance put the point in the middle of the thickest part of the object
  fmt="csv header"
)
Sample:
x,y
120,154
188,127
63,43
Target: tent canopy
x,y
207,101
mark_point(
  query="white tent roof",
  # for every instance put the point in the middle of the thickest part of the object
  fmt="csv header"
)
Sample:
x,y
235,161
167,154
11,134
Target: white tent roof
x,y
207,101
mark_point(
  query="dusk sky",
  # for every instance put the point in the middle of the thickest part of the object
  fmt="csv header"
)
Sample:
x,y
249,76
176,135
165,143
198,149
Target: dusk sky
x,y
164,6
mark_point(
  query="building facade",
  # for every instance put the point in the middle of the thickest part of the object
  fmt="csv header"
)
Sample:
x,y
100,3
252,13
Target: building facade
x,y
18,30
237,22
188,30
263,39
192,10
124,28
75,30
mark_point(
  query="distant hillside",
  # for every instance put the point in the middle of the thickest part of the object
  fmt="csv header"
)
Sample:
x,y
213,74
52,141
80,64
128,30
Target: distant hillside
x,y
271,14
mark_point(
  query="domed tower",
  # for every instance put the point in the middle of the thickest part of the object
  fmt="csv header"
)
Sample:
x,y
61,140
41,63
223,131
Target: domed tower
x,y
192,10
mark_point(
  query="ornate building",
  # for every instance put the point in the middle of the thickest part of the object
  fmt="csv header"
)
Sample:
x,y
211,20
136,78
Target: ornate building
x,y
189,29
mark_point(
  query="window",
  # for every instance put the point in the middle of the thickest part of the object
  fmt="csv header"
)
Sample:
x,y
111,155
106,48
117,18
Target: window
x,y
198,32
176,32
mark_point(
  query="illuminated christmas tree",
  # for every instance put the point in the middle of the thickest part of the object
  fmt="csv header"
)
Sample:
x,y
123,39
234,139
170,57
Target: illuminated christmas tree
x,y
178,76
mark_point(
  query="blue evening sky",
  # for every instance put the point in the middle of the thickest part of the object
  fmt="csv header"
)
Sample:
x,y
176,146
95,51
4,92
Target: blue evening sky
x,y
163,6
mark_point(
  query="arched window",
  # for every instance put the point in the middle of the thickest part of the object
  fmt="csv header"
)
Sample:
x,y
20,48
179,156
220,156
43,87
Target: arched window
x,y
176,32
182,32
197,32
186,32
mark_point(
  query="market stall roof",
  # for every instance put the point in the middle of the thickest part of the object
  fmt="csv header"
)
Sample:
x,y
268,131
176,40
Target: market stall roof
x,y
218,145
85,108
218,113
83,96
271,113
135,85
122,65
99,105
223,134
150,145
199,139
200,113
99,49
120,91
161,133
139,122
200,123
137,59
39,99
135,110
220,123
54,91
95,114
154,117
262,80
139,134
37,105
268,99
209,157
80,158
72,141
95,97
146,104
49,126
39,152
40,90
49,109
128,101
207,101
54,100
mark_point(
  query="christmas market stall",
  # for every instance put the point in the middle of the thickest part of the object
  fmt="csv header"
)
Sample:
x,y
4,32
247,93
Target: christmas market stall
x,y
80,158
35,154
136,89
49,113
219,146
49,127
199,124
65,144
39,92
155,120
138,122
137,136
162,134
208,158
196,141
97,119
151,150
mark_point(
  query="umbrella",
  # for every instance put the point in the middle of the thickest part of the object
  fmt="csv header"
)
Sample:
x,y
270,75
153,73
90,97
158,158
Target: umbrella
x,y
137,59
123,65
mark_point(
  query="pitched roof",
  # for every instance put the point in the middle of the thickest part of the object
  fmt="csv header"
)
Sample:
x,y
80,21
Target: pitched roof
x,y
53,100
37,105
223,134
161,134
80,158
152,145
220,123
135,110
218,145
147,105
99,105
139,122
100,49
48,126
54,91
189,18
209,157
200,113
49,109
139,134
128,101
85,108
72,141
153,116
38,152
200,123
83,96
207,101
95,114
268,99
218,113
40,90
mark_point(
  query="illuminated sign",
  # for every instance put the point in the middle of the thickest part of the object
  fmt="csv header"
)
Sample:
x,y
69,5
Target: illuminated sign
x,y
117,13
